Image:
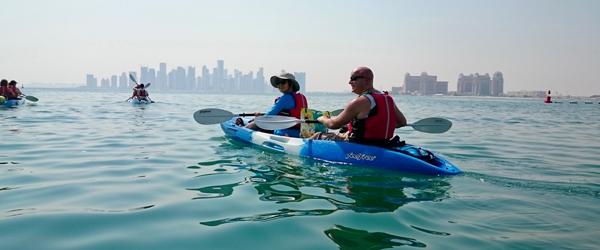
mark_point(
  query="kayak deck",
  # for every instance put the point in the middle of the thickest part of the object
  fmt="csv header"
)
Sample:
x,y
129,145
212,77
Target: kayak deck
x,y
406,158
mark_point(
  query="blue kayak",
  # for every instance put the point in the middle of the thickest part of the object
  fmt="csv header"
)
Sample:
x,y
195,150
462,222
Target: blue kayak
x,y
406,158
13,103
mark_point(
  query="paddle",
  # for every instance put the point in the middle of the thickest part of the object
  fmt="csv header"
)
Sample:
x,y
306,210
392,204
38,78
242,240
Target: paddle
x,y
133,79
136,83
432,125
336,112
31,98
215,116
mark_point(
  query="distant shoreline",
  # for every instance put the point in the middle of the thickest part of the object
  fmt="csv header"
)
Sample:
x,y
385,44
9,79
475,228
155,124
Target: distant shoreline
x,y
592,97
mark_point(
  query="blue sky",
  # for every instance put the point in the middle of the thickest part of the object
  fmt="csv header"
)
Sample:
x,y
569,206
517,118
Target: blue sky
x,y
536,44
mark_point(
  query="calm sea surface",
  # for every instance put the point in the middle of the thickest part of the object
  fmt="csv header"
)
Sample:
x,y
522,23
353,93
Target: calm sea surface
x,y
82,169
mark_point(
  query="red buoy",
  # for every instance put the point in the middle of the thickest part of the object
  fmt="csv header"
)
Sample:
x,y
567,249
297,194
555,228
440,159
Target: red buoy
x,y
548,98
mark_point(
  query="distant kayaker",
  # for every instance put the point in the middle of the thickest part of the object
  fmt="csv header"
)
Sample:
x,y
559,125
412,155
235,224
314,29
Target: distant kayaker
x,y
6,91
371,117
140,92
289,104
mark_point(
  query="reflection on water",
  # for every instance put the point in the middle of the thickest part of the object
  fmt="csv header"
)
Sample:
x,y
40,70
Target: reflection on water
x,y
354,239
281,213
346,188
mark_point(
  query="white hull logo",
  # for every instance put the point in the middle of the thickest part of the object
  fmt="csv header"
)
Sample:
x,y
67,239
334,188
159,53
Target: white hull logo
x,y
360,156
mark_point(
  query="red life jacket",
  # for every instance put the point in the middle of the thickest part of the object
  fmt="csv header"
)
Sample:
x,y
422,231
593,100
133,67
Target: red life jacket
x,y
379,125
7,92
13,88
295,112
140,92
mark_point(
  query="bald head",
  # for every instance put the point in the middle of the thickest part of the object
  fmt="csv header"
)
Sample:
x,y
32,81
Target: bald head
x,y
363,71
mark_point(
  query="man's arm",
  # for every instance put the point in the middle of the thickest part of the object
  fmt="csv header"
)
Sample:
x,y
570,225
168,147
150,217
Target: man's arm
x,y
400,119
358,107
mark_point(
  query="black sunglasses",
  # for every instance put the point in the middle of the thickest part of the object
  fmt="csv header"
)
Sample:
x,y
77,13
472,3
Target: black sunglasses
x,y
281,82
354,78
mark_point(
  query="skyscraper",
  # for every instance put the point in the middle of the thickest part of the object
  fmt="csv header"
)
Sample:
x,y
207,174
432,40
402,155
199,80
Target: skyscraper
x,y
220,74
497,84
205,79
113,81
191,78
301,79
143,75
123,81
162,76
91,81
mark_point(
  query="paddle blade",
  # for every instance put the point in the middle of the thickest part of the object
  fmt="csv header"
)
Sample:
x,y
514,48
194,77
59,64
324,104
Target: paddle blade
x,y
147,85
31,98
336,112
132,78
212,116
432,125
275,122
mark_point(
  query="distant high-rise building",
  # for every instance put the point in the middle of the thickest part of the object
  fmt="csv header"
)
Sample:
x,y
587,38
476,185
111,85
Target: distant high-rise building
x,y
497,84
215,80
198,82
190,82
162,76
424,84
180,79
143,75
113,81
237,81
151,77
123,79
220,74
474,84
172,79
105,83
205,79
91,81
301,79
259,81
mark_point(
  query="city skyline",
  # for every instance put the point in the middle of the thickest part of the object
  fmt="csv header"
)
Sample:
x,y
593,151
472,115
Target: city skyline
x,y
537,45
181,79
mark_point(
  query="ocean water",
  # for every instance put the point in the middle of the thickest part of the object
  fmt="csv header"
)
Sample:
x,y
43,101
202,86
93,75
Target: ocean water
x,y
82,169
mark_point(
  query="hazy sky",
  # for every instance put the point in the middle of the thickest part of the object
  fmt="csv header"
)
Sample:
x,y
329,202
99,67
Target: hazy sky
x,y
536,44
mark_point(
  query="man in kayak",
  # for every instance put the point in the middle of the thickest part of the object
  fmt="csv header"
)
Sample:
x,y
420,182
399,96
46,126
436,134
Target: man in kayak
x,y
372,117
289,104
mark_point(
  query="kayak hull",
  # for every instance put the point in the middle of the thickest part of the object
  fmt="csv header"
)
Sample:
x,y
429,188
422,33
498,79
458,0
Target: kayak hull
x,y
138,102
13,103
408,158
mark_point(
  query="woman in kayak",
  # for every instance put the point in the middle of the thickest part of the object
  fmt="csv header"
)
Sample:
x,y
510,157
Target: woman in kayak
x,y
372,117
289,104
